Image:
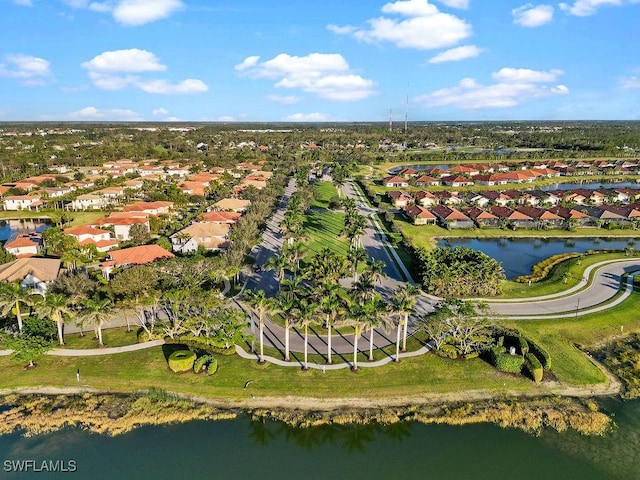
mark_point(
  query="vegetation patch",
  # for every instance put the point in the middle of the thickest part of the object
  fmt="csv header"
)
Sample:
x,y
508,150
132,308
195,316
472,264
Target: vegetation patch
x,y
182,361
622,356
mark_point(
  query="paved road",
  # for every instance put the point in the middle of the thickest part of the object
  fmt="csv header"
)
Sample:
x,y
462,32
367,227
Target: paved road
x,y
606,283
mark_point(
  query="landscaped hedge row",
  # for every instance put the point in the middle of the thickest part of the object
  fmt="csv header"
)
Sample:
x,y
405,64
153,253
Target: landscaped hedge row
x,y
182,361
506,362
541,270
532,364
541,354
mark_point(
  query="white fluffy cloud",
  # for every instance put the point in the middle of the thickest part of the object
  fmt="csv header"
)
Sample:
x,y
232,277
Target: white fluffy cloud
x,y
23,3
514,86
28,70
118,69
307,117
93,113
532,16
463,4
585,8
131,12
456,54
417,24
284,99
630,83
326,75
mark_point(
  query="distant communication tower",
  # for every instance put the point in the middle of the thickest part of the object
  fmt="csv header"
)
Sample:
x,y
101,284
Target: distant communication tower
x,y
391,120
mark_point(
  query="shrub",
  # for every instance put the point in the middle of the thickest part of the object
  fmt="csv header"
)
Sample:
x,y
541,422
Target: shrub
x,y
209,344
541,270
471,355
541,354
447,351
523,346
207,361
182,361
533,365
505,362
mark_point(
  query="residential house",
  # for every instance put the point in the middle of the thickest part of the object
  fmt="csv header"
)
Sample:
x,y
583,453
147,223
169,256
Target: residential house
x,y
122,226
420,215
230,218
208,235
86,235
511,217
491,179
140,255
24,245
394,181
464,170
232,204
400,199
542,216
89,201
33,273
22,202
408,173
498,198
152,208
456,181
446,197
427,181
426,199
482,218
602,216
571,215
450,217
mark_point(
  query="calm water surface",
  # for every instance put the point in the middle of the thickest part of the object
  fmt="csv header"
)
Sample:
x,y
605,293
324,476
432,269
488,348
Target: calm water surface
x,y
242,449
10,228
518,255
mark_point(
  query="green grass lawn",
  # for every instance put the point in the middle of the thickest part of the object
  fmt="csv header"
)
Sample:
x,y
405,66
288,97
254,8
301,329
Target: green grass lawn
x,y
323,230
112,337
560,336
148,369
323,192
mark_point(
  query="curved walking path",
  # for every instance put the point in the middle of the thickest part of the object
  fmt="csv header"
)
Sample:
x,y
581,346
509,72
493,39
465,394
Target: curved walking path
x,y
91,352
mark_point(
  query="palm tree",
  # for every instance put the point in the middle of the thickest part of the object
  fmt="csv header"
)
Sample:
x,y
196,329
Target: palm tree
x,y
305,311
375,268
279,264
55,307
356,255
12,295
373,314
285,304
331,304
97,313
260,303
355,320
403,300
363,289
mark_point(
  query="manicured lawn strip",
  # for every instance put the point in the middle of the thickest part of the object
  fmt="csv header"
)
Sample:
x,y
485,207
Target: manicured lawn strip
x,y
554,282
148,369
323,230
559,337
324,191
112,337
79,218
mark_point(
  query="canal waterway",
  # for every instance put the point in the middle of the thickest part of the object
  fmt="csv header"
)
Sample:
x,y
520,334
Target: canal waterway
x,y
245,450
529,251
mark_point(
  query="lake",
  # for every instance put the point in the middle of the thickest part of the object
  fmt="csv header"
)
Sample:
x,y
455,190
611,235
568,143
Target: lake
x,y
10,228
589,186
529,251
243,449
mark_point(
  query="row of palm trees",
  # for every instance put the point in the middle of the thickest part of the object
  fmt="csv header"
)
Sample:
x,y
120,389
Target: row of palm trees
x,y
53,306
317,298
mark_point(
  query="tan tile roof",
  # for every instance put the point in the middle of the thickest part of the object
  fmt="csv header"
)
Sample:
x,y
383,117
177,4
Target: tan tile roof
x,y
45,269
140,255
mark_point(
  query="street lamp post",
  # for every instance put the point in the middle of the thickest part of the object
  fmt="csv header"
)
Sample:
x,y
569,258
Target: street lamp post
x,y
577,307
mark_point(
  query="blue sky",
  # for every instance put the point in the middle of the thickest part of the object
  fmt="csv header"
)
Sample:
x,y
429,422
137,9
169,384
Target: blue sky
x,y
325,60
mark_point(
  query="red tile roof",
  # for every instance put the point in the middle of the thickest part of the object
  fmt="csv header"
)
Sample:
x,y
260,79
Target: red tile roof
x,y
140,255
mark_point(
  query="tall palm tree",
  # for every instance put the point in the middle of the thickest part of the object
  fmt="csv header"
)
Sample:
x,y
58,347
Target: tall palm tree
x,y
12,296
364,289
260,303
284,304
55,307
279,264
373,314
354,319
375,268
332,305
97,313
305,312
355,256
403,300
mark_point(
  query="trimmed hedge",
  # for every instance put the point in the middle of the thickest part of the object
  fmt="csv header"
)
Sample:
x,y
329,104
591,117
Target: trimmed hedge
x,y
206,361
533,365
541,354
505,362
182,360
448,351
202,343
523,346
541,270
